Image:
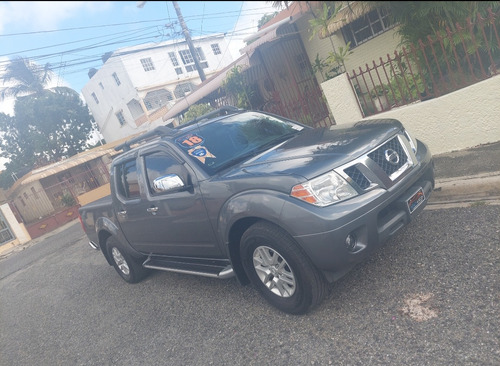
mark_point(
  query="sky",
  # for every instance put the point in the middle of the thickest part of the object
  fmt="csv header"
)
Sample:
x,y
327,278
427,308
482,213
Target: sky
x,y
73,35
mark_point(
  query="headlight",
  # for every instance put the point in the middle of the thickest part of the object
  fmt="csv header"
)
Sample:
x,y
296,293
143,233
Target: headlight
x,y
324,190
413,142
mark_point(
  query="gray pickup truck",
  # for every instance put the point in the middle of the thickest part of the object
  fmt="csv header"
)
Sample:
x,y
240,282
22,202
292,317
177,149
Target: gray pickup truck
x,y
278,204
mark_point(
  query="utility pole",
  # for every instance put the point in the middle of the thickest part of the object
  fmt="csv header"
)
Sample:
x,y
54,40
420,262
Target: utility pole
x,y
187,36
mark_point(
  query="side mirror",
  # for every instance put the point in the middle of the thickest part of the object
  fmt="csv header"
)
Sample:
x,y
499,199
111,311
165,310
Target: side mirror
x,y
167,183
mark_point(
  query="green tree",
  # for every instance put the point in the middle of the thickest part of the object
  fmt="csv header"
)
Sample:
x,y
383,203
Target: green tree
x,y
236,85
280,4
25,78
334,63
265,18
418,19
196,110
48,124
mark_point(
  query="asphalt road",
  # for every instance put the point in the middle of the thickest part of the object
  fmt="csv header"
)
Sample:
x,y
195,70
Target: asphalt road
x,y
431,296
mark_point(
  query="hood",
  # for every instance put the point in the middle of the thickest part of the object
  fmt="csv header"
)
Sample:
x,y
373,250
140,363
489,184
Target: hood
x,y
317,150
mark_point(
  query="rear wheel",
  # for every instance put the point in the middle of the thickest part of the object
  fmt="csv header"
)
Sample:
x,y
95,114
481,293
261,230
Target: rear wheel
x,y
130,269
280,270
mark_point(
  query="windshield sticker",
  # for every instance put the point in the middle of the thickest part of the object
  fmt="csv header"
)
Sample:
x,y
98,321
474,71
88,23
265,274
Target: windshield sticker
x,y
188,141
201,153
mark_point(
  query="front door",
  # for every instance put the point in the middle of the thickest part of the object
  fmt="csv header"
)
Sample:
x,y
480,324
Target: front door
x,y
173,222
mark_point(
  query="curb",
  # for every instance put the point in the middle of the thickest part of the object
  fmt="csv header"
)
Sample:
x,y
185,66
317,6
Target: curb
x,y
467,189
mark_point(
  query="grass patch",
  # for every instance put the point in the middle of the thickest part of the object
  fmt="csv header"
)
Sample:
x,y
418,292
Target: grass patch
x,y
478,203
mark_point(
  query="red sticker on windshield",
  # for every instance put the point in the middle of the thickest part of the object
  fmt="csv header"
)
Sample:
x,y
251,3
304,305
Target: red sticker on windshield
x,y
189,141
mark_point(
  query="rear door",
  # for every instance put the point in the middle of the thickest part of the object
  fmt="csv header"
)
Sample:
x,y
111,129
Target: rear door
x,y
173,222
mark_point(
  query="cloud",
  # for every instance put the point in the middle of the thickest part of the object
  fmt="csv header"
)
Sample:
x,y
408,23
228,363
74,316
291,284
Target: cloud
x,y
251,13
44,15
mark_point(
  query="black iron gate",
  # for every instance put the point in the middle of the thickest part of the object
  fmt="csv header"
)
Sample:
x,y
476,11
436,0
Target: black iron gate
x,y
286,84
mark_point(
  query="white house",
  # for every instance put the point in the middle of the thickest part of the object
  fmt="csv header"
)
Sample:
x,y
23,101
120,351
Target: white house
x,y
137,85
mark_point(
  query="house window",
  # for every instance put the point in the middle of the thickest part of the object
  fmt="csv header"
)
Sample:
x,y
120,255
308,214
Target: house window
x,y
215,49
147,64
157,98
173,58
35,194
361,30
5,233
192,67
102,86
178,70
186,57
117,80
95,98
182,89
188,61
120,118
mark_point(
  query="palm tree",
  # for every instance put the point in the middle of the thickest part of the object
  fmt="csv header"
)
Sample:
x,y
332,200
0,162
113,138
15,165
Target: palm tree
x,y
25,77
279,4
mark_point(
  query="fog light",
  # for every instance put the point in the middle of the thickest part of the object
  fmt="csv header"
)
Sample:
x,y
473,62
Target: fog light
x,y
350,242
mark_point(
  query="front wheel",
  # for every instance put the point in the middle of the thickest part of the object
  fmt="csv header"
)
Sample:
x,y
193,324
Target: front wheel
x,y
130,269
280,270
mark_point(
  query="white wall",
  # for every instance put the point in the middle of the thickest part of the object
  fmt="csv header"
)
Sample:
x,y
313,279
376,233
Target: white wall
x,y
465,118
379,46
18,230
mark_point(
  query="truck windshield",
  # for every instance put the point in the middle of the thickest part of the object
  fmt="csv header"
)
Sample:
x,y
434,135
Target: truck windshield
x,y
218,145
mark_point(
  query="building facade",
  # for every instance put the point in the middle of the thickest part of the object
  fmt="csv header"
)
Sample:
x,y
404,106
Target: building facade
x,y
137,85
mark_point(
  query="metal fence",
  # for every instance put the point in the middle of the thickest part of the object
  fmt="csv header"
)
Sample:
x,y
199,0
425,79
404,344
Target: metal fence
x,y
441,64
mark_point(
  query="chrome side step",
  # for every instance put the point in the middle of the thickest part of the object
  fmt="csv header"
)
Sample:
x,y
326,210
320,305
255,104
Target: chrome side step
x,y
93,245
198,269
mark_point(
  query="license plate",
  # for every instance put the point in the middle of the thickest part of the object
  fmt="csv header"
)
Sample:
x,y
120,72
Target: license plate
x,y
415,200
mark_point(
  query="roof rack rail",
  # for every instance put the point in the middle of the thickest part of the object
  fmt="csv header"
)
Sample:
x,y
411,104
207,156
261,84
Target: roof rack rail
x,y
158,131
164,130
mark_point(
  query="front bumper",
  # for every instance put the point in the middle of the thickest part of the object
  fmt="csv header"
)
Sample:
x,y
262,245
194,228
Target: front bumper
x,y
370,219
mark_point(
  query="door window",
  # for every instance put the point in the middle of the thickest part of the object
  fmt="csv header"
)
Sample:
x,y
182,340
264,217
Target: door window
x,y
127,183
160,164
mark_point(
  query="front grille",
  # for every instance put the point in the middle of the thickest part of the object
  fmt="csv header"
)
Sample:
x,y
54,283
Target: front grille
x,y
382,167
390,147
357,177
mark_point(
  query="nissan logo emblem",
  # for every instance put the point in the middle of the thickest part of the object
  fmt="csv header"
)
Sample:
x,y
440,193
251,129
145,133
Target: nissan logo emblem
x,y
391,156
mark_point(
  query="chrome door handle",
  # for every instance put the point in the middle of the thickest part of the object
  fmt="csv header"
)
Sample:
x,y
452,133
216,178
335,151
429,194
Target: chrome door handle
x,y
122,213
152,210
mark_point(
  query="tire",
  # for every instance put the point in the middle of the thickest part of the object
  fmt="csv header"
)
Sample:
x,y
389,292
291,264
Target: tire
x,y
280,270
130,269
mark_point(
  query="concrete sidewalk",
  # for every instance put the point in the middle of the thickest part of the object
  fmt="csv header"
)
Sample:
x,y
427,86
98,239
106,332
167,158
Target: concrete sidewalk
x,y
466,177
463,178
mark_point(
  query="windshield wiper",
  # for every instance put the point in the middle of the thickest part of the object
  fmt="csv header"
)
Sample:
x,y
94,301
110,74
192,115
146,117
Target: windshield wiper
x,y
255,152
235,161
274,142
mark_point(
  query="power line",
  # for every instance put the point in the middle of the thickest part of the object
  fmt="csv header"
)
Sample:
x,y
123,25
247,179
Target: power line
x,y
192,17
150,32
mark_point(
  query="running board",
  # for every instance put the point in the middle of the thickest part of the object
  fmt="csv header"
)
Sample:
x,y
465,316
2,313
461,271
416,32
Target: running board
x,y
206,270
